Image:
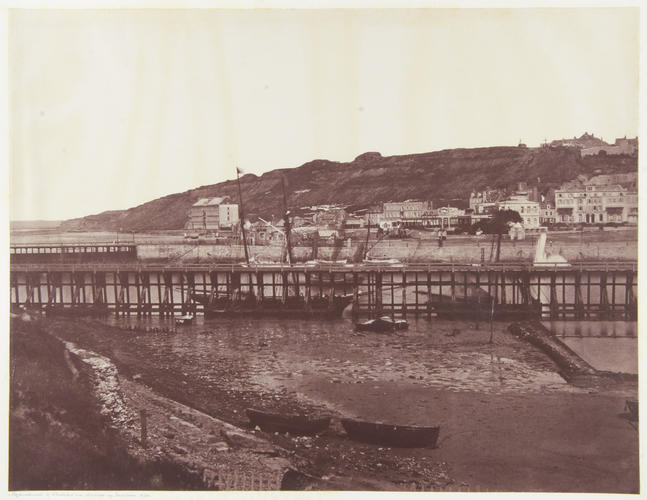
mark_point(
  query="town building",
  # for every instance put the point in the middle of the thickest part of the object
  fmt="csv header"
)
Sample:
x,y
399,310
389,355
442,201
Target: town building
x,y
330,218
208,214
547,214
373,217
410,209
354,222
483,198
596,204
529,210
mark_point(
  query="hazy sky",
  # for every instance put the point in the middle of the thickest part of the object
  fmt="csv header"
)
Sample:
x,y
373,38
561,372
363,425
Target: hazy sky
x,y
110,109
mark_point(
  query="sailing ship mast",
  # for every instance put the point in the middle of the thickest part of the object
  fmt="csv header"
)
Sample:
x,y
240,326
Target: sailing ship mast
x,y
242,215
286,219
368,234
288,241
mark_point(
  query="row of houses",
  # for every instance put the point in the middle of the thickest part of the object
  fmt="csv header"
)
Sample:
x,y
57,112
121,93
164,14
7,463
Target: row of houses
x,y
601,199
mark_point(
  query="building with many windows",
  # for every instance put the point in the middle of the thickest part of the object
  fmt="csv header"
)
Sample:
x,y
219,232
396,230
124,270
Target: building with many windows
x,y
209,214
547,214
596,204
410,210
530,211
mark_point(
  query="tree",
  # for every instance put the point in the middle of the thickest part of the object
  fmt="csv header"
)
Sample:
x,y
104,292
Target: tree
x,y
500,224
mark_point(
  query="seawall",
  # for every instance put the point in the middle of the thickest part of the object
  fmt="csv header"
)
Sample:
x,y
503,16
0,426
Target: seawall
x,y
474,250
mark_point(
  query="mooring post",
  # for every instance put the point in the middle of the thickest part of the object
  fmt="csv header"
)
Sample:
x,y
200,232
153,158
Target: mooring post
x,y
428,295
14,285
630,313
579,303
284,283
378,293
355,297
138,279
124,280
478,298
604,297
404,294
554,306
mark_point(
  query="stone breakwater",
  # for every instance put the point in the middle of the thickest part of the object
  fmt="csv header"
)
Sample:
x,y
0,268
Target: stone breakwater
x,y
571,365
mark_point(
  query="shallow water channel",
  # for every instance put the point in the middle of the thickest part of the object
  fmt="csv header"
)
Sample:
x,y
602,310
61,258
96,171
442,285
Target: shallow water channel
x,y
272,355
605,345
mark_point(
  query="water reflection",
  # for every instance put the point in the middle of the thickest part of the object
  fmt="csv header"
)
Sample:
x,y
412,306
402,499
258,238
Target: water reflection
x,y
605,345
592,328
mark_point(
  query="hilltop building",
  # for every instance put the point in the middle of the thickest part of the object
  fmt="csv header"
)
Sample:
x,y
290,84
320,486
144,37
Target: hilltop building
x,y
589,145
622,146
209,214
586,140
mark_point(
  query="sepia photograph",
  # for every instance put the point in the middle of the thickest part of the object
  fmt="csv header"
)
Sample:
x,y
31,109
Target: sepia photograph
x,y
323,249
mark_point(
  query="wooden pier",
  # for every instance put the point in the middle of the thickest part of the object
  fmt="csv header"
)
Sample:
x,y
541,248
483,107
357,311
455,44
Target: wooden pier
x,y
588,291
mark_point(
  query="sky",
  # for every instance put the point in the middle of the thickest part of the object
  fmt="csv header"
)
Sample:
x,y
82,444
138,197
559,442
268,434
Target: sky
x,y
109,109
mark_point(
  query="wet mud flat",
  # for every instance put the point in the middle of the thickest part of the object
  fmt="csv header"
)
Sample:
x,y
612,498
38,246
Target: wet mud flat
x,y
508,421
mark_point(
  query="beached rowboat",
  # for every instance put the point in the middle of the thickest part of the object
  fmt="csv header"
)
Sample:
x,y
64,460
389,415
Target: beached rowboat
x,y
398,436
300,425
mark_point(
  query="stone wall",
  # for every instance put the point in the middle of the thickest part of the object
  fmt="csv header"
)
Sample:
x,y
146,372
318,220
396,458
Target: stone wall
x,y
404,250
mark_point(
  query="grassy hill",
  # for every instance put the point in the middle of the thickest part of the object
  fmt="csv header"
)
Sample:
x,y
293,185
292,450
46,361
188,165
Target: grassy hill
x,y
446,176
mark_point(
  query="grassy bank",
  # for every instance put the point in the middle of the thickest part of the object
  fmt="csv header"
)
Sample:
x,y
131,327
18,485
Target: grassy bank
x,y
58,439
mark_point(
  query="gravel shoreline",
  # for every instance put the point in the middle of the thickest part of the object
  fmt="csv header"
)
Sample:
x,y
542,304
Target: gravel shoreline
x,y
508,421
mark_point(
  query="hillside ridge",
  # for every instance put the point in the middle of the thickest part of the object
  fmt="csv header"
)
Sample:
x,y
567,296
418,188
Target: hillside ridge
x,y
446,177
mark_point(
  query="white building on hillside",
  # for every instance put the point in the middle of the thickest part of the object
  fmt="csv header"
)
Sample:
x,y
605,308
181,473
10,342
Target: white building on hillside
x,y
212,213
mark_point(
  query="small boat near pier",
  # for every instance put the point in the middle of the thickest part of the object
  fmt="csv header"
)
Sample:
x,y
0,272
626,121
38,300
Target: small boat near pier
x,y
382,325
186,319
298,425
397,436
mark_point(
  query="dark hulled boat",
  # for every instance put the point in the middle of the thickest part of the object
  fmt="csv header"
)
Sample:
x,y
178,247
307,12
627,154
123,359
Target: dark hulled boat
x,y
299,425
382,325
291,307
632,409
398,436
185,319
